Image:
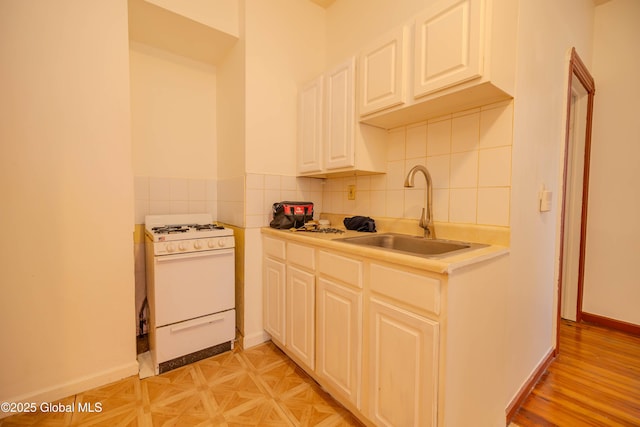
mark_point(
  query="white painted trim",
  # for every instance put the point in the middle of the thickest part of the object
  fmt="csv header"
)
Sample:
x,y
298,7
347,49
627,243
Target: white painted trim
x,y
76,386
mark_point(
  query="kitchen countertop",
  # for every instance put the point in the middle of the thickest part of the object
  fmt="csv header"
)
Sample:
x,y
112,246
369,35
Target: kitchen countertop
x,y
445,265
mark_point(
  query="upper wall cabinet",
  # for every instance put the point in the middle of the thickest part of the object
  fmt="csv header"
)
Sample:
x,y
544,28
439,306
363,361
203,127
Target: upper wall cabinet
x,y
463,56
310,106
191,29
447,46
382,72
330,141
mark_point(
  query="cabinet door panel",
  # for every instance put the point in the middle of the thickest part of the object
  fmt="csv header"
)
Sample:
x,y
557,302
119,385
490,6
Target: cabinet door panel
x,y
274,298
339,116
310,126
382,73
300,322
403,367
339,338
447,45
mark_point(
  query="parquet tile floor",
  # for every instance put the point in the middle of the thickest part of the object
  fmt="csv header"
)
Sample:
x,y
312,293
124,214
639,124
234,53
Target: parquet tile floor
x,y
259,386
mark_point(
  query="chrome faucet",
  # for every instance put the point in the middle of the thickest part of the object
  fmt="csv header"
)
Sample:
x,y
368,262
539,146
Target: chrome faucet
x,y
426,219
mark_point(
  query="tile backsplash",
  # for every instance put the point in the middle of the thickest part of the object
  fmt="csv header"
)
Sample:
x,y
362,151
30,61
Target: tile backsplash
x,y
468,155
163,195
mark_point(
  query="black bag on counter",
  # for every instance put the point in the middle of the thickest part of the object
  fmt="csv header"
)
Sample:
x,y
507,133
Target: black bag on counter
x,y
291,214
360,223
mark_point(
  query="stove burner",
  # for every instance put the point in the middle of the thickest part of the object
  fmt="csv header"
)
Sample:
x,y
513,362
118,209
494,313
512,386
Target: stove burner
x,y
199,227
184,228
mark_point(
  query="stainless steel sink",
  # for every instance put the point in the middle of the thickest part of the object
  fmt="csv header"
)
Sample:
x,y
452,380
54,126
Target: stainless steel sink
x,y
413,245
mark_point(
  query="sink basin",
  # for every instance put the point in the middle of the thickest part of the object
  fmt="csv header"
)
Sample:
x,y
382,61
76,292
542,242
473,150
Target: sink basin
x,y
413,245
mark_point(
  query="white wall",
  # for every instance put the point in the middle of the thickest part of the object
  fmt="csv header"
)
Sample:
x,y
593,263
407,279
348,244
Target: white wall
x,y
285,48
173,114
613,230
547,30
67,184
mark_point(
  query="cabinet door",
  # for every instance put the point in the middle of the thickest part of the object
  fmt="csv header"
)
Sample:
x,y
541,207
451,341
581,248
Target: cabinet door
x,y
310,126
274,298
339,338
403,367
300,320
339,118
382,73
448,45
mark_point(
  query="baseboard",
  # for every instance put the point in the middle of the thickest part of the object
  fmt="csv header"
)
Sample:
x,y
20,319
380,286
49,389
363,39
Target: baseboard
x,y
79,385
611,323
526,388
255,339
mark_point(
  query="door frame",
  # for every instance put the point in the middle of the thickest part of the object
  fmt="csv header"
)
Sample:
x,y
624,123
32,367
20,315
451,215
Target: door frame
x,y
577,70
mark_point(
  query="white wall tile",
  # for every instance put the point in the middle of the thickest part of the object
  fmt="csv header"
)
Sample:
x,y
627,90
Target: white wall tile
x,y
197,189
197,206
378,182
179,189
395,203
255,181
416,141
465,133
439,138
441,205
288,183
464,170
159,188
414,201
396,144
439,168
493,206
462,205
272,182
395,175
496,125
255,202
378,203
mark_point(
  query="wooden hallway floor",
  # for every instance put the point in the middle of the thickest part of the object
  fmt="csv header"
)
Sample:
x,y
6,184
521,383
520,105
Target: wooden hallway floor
x,y
594,381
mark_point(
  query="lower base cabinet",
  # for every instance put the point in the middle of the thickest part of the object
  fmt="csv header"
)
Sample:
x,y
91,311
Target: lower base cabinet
x,y
339,315
403,366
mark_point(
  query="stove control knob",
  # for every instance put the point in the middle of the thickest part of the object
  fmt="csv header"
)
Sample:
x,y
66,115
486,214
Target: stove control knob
x,y
221,243
183,246
197,244
211,244
170,248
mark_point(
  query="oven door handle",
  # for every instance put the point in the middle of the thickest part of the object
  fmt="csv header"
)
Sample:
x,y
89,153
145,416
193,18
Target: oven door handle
x,y
216,252
201,322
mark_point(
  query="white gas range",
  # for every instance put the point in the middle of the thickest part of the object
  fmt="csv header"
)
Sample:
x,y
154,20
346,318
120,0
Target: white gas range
x,y
190,287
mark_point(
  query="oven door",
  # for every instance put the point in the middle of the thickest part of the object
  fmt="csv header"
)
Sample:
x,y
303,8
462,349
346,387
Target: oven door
x,y
191,285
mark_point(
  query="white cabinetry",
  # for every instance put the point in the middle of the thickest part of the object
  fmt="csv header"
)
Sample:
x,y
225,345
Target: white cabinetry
x,y
330,142
463,56
396,344
300,314
382,72
310,126
274,288
447,45
403,347
339,316
289,298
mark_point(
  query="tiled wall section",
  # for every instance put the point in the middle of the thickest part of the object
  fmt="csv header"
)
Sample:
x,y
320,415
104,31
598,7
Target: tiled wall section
x,y
264,190
468,155
161,195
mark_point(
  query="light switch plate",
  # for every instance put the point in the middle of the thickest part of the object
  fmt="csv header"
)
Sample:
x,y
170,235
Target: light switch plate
x,y
545,200
351,192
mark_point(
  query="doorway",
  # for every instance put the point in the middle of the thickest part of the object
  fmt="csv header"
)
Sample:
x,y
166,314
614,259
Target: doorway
x,y
575,190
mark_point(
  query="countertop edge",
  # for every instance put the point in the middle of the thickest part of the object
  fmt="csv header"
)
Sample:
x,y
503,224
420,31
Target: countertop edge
x,y
446,266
